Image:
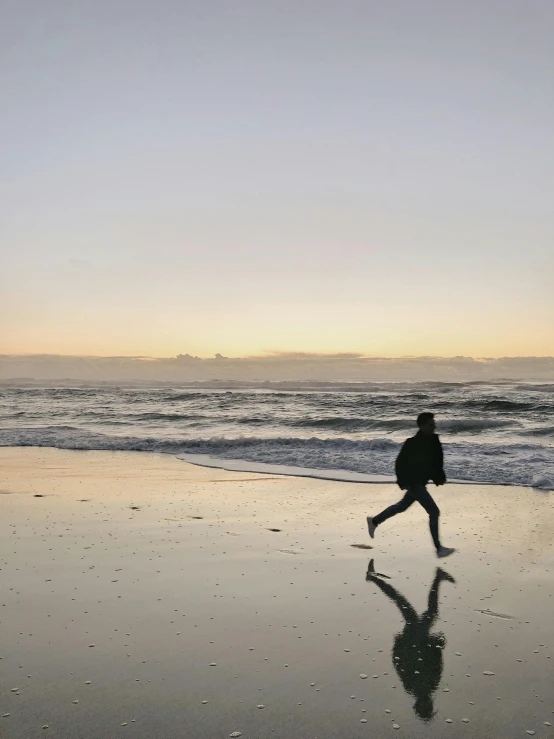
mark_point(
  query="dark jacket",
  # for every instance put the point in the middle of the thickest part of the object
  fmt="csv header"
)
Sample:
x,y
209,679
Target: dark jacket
x,y
419,461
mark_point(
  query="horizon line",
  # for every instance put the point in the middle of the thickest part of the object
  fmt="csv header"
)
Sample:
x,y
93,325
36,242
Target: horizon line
x,y
278,355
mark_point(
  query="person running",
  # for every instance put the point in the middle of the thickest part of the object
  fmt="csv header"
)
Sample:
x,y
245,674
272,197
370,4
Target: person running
x,y
420,460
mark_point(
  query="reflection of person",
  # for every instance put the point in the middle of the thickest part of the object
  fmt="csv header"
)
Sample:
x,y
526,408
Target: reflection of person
x,y
417,654
420,460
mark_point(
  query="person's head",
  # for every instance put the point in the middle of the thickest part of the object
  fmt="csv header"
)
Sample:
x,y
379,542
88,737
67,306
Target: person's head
x,y
424,707
426,423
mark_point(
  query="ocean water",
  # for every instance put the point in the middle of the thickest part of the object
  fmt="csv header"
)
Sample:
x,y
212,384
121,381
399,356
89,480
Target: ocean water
x,y
497,433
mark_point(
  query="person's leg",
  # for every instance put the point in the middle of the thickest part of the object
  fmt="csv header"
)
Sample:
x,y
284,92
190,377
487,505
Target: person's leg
x,y
424,498
432,612
393,510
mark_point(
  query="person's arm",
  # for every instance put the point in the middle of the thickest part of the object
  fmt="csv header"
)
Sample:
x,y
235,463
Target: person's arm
x,y
401,466
404,606
440,477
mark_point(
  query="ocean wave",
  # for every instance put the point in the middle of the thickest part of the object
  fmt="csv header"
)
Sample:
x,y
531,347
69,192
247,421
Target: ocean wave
x,y
69,392
254,420
473,425
502,464
341,423
540,431
507,405
547,387
73,437
453,426
499,405
188,396
166,417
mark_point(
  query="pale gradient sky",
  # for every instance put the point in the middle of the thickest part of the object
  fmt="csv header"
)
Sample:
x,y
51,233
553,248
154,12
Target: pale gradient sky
x,y
246,176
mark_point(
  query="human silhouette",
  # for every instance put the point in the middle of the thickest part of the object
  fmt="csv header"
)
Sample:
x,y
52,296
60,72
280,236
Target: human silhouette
x,y
420,460
416,653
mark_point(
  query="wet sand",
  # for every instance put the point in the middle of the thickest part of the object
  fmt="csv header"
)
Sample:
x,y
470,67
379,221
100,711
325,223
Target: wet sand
x,y
142,596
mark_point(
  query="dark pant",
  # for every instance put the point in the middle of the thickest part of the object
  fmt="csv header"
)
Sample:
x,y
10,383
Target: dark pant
x,y
421,494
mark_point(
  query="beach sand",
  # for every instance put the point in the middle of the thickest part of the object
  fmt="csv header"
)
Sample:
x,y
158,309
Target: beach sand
x,y
142,596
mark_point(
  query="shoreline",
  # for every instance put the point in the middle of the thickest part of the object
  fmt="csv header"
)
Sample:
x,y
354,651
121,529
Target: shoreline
x,y
210,461
241,465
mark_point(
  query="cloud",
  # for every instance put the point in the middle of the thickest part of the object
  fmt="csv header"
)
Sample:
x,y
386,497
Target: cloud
x,y
276,367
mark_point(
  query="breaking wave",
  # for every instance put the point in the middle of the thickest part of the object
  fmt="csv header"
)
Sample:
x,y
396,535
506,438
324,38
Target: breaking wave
x,y
461,425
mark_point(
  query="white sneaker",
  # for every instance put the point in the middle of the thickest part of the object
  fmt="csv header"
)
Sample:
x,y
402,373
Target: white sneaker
x,y
371,526
445,551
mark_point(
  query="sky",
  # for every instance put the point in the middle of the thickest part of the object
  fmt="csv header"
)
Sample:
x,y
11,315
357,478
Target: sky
x,y
248,177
